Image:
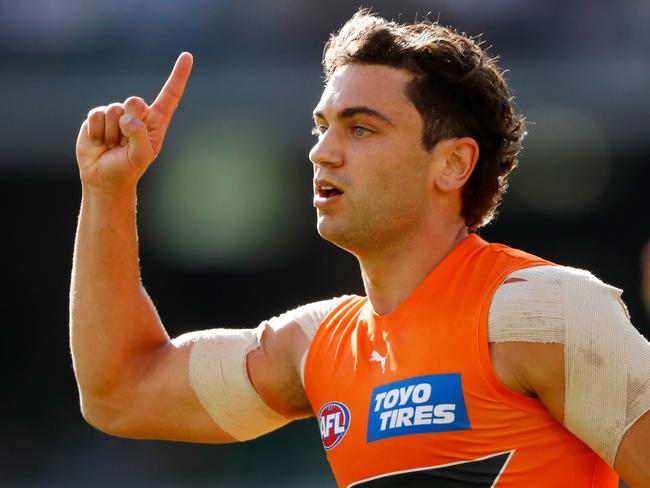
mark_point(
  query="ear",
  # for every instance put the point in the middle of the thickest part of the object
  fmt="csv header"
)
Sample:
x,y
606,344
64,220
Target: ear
x,y
459,156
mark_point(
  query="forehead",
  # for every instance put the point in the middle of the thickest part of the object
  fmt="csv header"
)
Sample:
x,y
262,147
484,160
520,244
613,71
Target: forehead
x,y
382,88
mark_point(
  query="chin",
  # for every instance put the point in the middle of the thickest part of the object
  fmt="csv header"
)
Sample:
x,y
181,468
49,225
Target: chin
x,y
337,234
325,227
329,230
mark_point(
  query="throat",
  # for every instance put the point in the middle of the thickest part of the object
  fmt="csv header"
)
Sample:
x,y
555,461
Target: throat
x,y
390,279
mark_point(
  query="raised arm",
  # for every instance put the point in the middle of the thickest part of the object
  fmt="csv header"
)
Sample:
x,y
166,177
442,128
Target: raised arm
x,y
133,380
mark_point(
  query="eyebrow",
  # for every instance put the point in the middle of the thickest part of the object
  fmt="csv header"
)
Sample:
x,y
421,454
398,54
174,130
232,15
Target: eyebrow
x,y
348,113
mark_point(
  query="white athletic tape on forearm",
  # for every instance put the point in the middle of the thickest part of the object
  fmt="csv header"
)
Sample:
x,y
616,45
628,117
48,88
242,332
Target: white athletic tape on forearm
x,y
219,378
607,361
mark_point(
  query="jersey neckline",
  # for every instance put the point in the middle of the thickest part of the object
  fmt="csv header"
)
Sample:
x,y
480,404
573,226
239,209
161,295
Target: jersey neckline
x,y
458,254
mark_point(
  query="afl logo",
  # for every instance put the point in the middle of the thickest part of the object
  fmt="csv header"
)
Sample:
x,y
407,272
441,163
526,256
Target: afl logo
x,y
334,420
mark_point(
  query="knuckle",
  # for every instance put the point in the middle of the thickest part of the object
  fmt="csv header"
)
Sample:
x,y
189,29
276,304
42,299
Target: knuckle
x,y
96,112
114,110
97,117
134,101
135,106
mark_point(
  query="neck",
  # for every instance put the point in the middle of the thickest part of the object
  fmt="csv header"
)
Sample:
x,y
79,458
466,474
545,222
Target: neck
x,y
394,272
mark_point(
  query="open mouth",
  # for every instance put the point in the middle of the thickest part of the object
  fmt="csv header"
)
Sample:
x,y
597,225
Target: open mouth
x,y
326,194
328,191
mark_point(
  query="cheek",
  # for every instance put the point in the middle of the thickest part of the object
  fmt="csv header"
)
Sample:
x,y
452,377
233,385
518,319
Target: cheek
x,y
402,179
390,175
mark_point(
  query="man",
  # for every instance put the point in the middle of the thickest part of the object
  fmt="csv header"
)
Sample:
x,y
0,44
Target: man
x,y
467,364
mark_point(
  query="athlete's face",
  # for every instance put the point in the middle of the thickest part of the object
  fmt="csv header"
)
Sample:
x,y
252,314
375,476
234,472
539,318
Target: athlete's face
x,y
371,174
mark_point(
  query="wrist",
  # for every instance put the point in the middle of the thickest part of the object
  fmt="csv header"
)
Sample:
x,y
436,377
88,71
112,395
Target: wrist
x,y
104,194
108,199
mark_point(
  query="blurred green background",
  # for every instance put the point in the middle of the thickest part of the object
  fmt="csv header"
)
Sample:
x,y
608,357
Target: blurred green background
x,y
226,223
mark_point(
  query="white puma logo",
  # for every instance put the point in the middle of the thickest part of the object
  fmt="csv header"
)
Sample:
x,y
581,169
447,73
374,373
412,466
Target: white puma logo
x,y
375,356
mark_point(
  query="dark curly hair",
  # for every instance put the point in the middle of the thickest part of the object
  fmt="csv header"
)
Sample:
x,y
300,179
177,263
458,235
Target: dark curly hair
x,y
457,89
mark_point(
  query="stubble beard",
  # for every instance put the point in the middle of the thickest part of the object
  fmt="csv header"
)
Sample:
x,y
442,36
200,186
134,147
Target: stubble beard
x,y
363,236
347,234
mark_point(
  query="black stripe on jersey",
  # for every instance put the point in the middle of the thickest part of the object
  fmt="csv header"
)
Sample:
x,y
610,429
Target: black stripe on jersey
x,y
479,473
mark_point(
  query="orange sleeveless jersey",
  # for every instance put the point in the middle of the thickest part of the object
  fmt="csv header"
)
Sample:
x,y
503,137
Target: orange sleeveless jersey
x,y
411,399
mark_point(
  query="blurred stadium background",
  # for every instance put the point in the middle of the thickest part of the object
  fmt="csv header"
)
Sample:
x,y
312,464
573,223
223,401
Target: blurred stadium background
x,y
226,225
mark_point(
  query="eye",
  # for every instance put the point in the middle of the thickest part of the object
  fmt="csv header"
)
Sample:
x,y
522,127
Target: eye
x,y
358,131
318,130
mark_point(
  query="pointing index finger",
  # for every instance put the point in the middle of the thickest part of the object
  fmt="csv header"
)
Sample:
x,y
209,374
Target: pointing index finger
x,y
172,91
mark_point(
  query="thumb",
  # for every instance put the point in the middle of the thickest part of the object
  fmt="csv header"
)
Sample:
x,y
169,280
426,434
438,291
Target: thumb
x,y
139,148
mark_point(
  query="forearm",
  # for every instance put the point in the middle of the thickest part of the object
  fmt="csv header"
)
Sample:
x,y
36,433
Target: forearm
x,y
113,324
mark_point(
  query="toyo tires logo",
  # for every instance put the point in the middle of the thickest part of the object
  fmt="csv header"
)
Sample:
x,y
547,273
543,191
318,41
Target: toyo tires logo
x,y
418,405
334,420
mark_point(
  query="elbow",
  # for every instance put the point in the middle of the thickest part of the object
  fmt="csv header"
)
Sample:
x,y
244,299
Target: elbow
x,y
105,415
94,417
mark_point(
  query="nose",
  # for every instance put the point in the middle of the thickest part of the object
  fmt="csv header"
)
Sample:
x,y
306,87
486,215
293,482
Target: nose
x,y
326,151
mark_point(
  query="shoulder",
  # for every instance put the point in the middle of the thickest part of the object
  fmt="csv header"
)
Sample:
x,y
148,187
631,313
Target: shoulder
x,y
556,275
537,302
308,318
595,378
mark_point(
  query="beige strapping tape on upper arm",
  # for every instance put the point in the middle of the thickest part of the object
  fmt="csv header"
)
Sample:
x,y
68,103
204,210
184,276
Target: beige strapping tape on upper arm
x,y
219,378
607,361
595,364
638,374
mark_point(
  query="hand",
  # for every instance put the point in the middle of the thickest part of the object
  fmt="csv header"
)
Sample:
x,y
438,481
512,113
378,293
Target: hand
x,y
118,142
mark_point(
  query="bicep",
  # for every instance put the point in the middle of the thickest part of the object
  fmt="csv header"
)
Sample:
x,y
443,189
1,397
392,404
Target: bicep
x,y
274,369
218,385
158,401
241,378
288,336
222,385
